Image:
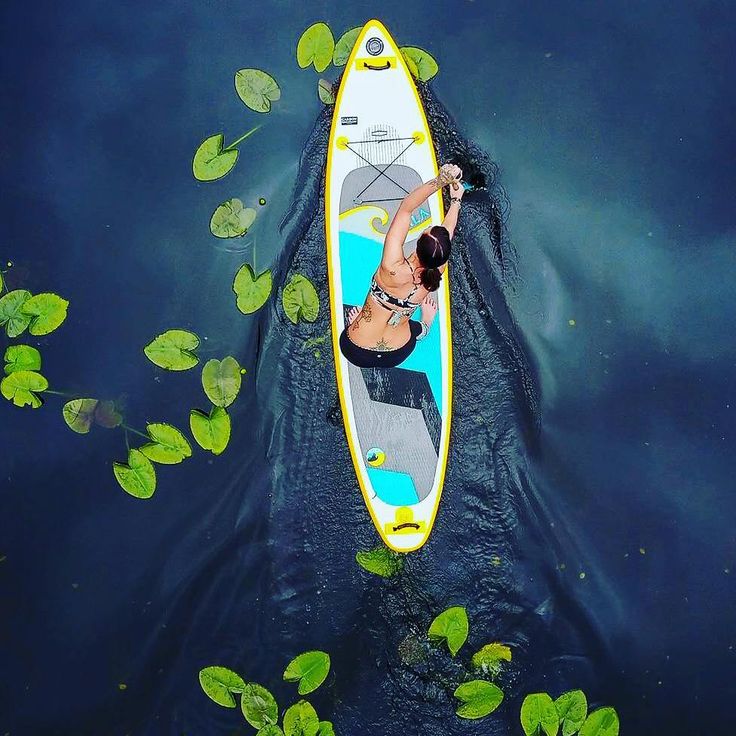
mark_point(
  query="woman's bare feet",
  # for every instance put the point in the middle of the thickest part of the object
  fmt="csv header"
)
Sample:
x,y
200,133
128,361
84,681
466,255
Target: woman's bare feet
x,y
429,310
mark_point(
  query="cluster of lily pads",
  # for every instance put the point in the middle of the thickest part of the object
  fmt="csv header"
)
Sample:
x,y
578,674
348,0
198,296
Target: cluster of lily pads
x,y
40,314
258,705
317,47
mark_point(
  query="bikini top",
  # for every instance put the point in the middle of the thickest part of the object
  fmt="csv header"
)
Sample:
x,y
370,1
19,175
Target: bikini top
x,y
402,306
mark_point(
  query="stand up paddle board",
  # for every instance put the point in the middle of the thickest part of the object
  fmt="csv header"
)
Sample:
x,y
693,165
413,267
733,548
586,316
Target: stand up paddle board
x,y
397,420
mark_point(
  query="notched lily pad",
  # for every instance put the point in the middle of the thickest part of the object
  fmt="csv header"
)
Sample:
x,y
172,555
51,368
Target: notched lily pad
x,y
380,561
270,731
21,388
300,300
344,46
601,722
231,219
256,89
420,62
212,432
538,714
252,293
22,358
309,669
11,314
488,659
47,311
450,626
221,380
478,698
301,720
259,706
212,161
173,350
138,477
219,683
324,90
79,414
315,47
571,707
169,445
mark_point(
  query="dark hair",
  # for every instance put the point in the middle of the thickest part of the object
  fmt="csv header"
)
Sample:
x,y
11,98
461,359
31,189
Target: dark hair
x,y
433,249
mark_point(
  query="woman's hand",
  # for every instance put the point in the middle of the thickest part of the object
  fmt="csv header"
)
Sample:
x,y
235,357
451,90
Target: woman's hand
x,y
450,174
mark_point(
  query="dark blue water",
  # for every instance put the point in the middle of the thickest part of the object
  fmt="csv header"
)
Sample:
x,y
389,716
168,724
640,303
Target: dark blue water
x,y
587,518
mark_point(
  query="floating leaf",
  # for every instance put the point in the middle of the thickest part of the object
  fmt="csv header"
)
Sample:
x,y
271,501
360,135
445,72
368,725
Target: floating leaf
x,y
450,626
107,415
79,414
2,282
259,706
138,477
20,387
169,445
309,669
315,46
231,219
420,62
221,380
22,358
11,314
300,299
256,89
380,561
301,720
219,683
479,698
270,731
324,90
326,729
489,658
173,350
344,46
47,311
212,161
538,713
252,292
571,708
601,722
212,432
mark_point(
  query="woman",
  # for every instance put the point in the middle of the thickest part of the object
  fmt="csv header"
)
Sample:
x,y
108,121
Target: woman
x,y
381,333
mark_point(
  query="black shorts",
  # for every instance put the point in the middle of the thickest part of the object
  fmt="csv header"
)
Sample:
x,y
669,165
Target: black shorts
x,y
365,358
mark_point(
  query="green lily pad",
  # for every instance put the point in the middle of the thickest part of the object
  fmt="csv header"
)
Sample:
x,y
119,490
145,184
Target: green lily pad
x,y
380,561
420,62
270,731
169,445
138,477
22,358
601,722
252,292
301,720
219,683
538,714
231,219
344,46
107,415
79,414
20,387
212,432
324,90
212,161
2,282
173,350
221,380
259,706
479,698
488,659
450,626
11,314
571,708
309,669
315,46
300,299
47,311
256,89
326,729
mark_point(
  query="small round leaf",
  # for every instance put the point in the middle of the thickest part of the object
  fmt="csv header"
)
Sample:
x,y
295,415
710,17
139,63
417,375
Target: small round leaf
x,y
47,312
138,477
219,683
211,161
301,720
420,62
20,387
344,46
270,731
572,708
256,89
315,46
380,561
252,292
212,432
231,219
538,712
326,729
11,314
601,722
221,380
309,669
488,659
22,358
79,414
259,706
450,626
324,90
173,350
479,698
300,299
169,445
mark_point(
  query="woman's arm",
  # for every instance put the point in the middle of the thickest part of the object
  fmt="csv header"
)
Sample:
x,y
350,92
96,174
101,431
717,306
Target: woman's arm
x,y
393,247
450,221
